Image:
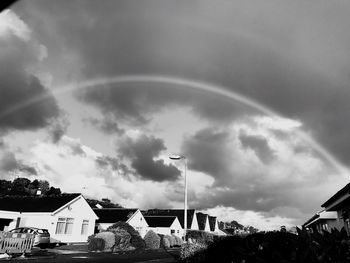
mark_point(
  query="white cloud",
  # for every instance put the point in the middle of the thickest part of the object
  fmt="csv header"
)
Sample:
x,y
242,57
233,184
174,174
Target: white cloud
x,y
11,23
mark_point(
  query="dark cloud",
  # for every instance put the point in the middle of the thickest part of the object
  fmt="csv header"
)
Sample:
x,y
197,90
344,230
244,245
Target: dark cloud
x,y
141,152
107,125
9,163
18,86
259,145
290,57
207,152
108,161
58,128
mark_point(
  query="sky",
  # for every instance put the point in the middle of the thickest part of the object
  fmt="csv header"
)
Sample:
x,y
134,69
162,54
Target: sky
x,y
95,98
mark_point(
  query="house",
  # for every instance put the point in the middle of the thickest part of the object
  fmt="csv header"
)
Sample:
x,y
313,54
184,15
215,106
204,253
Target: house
x,y
203,222
323,221
192,222
67,217
340,203
214,225
165,225
109,216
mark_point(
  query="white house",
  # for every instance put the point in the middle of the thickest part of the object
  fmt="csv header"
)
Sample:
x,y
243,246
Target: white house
x,y
324,221
67,217
109,216
214,225
165,225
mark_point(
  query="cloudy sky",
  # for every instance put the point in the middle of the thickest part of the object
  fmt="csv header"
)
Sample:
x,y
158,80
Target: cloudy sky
x,y
94,98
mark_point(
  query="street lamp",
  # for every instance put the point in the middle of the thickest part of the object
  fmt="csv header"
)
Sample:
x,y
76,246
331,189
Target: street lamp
x,y
179,157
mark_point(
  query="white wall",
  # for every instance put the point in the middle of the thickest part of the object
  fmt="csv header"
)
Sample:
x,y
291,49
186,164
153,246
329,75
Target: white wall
x,y
194,225
79,210
138,222
176,226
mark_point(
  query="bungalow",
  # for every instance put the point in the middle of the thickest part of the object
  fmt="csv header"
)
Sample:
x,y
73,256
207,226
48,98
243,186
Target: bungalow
x,y
340,203
203,222
109,216
165,225
214,225
323,221
67,217
192,222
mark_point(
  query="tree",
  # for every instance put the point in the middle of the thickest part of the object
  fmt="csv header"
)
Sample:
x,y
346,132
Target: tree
x,y
44,186
53,191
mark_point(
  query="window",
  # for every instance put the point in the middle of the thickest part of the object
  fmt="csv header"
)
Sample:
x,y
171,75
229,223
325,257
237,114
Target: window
x,y
172,231
85,227
64,226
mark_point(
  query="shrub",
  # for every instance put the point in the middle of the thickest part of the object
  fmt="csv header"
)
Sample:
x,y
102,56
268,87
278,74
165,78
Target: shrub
x,y
274,247
96,244
189,250
171,239
165,242
152,240
109,239
178,240
122,241
136,240
200,236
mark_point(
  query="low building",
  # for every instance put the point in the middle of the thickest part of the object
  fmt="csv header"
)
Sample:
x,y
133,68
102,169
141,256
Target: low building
x,y
192,222
165,225
214,225
340,203
67,217
323,221
109,216
203,222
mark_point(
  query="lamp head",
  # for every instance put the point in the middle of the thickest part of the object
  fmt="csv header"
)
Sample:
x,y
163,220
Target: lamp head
x,y
176,157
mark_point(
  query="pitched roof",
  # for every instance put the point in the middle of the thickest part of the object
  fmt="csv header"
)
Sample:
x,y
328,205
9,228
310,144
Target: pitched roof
x,y
337,195
113,215
35,203
202,220
160,221
173,212
212,221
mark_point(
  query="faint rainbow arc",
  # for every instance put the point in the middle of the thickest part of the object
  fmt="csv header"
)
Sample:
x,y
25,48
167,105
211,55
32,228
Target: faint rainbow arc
x,y
182,82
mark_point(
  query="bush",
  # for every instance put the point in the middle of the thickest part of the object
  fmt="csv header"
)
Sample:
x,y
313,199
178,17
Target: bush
x,y
152,240
136,240
165,242
178,240
96,244
274,247
109,239
171,239
200,236
122,241
189,250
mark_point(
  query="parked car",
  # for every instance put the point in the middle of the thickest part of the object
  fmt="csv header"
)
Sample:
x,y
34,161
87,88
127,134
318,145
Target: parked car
x,y
42,236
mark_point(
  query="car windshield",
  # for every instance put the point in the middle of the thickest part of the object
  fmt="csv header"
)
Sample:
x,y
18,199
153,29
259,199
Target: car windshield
x,y
42,231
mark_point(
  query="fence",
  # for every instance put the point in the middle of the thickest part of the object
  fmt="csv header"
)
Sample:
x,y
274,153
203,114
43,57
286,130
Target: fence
x,y
15,242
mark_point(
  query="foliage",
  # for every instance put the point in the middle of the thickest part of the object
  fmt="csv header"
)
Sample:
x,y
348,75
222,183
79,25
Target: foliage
x,y
24,187
122,241
152,240
136,240
109,239
165,242
276,247
189,250
105,203
178,241
171,239
96,244
200,236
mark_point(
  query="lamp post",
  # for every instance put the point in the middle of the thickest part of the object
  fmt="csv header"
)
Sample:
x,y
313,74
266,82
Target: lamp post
x,y
179,157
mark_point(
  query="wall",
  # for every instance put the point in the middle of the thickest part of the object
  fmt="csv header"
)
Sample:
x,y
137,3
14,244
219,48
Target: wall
x,y
138,222
78,210
194,225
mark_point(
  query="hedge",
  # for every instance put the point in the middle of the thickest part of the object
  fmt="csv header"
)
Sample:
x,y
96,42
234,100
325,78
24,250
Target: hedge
x,y
96,244
152,240
109,239
136,240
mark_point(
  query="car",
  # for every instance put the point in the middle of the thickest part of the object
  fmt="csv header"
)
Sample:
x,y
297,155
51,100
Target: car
x,y
42,236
